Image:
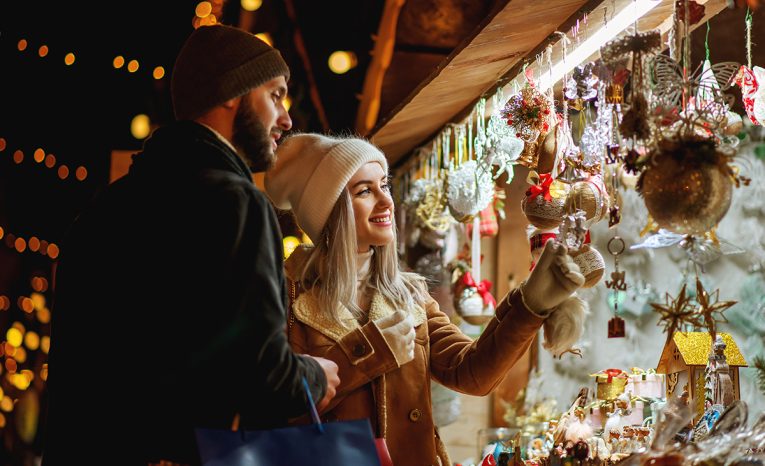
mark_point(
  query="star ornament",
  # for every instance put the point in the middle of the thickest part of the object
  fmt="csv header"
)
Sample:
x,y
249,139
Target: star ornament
x,y
676,312
709,311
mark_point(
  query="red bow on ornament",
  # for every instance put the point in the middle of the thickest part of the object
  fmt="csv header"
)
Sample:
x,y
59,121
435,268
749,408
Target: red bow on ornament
x,y
542,187
483,288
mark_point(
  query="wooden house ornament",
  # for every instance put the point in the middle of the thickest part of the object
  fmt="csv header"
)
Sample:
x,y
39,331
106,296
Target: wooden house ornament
x,y
684,360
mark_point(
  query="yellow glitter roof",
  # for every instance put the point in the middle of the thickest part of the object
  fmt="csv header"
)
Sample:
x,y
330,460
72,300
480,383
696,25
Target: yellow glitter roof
x,y
696,346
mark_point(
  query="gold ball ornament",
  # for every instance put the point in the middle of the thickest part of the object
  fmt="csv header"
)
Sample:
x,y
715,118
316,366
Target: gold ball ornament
x,y
590,263
686,198
589,196
544,214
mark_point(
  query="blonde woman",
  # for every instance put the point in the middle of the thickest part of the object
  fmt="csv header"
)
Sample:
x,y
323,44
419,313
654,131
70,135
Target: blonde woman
x,y
356,307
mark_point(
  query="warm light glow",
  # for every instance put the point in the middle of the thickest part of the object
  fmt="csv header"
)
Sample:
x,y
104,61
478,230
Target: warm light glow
x,y
18,156
10,364
203,9
81,173
622,20
2,232
342,61
5,303
2,144
158,73
50,160
45,344
63,172
290,244
43,315
133,66
42,51
52,251
39,155
118,62
38,300
9,349
140,126
20,244
6,404
69,58
20,356
14,337
22,45
287,103
251,5
306,239
34,245
32,341
2,421
265,37
26,304
44,372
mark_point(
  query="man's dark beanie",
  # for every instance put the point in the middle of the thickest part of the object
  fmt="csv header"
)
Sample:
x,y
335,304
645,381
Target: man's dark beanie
x,y
218,63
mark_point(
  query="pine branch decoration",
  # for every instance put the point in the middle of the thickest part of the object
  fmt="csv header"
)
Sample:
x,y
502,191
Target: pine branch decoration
x,y
759,364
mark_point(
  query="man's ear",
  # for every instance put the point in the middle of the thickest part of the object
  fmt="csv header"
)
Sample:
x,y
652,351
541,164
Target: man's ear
x,y
232,103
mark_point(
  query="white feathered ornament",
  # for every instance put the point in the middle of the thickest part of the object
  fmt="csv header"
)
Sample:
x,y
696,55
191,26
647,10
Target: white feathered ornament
x,y
565,327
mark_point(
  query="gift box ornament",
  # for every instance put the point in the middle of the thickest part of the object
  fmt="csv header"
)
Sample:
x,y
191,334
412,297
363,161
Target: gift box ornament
x,y
610,383
646,383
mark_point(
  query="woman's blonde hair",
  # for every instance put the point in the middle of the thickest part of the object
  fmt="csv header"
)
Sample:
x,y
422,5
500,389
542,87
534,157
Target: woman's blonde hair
x,y
330,270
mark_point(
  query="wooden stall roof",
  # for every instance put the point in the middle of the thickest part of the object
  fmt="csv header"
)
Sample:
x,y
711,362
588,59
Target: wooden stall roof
x,y
516,32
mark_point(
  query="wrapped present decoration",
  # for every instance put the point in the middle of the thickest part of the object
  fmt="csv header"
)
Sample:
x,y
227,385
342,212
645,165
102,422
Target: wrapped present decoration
x,y
646,383
611,383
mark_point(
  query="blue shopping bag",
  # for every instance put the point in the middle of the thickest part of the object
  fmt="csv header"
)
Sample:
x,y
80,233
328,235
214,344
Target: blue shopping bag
x,y
330,443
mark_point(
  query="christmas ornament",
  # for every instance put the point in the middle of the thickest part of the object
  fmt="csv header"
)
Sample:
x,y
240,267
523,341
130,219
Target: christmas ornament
x,y
474,303
591,264
616,284
544,203
752,84
701,249
710,309
470,189
589,196
528,112
675,312
673,89
687,187
431,210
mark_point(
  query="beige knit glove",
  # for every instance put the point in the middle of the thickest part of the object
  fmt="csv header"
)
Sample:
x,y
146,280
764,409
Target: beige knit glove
x,y
398,331
555,278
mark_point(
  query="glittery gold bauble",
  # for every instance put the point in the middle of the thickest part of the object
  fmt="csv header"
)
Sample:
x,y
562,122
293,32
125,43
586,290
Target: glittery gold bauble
x,y
589,196
544,214
686,198
590,263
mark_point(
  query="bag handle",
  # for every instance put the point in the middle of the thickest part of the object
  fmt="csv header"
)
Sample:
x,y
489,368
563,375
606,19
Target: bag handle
x,y
312,406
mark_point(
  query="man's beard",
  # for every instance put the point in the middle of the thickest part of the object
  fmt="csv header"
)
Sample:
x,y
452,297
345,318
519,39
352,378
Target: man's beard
x,y
251,138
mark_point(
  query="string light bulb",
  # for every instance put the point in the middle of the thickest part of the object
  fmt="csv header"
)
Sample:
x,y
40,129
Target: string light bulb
x,y
342,61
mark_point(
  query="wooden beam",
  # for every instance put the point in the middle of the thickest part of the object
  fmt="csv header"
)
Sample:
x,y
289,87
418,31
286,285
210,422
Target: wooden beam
x,y
495,56
473,68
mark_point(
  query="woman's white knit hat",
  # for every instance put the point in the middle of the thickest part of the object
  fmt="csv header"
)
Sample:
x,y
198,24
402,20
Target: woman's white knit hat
x,y
311,171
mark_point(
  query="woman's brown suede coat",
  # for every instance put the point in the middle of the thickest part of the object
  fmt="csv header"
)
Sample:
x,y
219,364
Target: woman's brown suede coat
x,y
398,404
